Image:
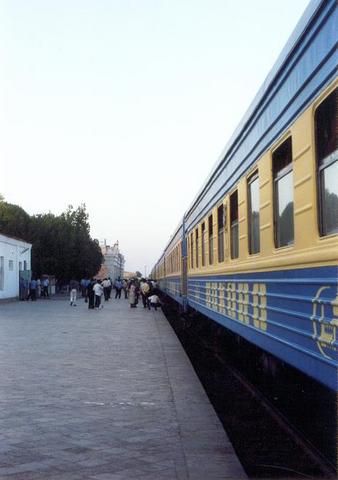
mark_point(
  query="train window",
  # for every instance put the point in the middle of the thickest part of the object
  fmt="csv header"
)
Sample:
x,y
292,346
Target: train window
x,y
283,194
192,250
211,241
196,246
234,225
253,213
326,128
220,226
203,244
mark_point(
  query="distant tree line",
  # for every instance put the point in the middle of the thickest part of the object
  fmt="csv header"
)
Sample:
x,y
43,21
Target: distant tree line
x,y
62,245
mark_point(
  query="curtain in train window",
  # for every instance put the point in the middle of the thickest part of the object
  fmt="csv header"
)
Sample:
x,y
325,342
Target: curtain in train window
x,y
326,128
220,233
211,241
283,194
234,244
253,213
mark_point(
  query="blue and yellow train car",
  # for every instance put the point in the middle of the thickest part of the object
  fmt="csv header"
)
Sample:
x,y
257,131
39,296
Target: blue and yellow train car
x,y
260,241
168,270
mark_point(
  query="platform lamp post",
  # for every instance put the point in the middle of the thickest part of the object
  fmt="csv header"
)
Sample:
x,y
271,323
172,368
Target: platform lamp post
x,y
145,271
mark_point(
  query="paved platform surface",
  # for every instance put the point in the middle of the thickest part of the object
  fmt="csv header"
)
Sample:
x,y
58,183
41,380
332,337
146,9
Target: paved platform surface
x,y
103,395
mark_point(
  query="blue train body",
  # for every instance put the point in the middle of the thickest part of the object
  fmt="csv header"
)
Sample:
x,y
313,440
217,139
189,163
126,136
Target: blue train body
x,y
284,300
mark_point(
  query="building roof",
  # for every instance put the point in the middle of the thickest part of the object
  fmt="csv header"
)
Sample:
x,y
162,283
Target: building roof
x,y
4,237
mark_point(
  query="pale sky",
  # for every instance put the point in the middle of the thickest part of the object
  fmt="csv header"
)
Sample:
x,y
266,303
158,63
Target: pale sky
x,y
126,105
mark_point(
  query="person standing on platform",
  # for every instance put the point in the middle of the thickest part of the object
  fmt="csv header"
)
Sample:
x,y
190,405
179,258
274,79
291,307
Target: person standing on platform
x,y
98,290
145,291
110,287
132,295
125,288
87,282
83,284
106,285
91,293
32,290
118,288
45,285
38,288
73,287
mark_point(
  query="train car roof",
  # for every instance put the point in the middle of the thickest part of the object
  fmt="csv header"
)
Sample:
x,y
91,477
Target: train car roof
x,y
175,237
301,27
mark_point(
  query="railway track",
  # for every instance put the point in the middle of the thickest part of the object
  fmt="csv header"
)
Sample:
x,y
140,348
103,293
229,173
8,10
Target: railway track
x,y
267,443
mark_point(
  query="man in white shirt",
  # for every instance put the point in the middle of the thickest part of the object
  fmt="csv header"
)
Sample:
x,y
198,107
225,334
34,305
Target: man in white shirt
x,y
98,291
106,284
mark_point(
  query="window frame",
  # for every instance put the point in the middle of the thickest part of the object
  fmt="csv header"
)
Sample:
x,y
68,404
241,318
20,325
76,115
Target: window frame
x,y
203,231
196,247
221,233
277,176
322,164
192,250
250,181
211,239
234,249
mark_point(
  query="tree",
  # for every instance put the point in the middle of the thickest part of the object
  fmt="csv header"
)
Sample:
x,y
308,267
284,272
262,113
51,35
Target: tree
x,y
14,221
62,245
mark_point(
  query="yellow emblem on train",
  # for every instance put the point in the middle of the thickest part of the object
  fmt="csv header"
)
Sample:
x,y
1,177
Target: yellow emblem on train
x,y
325,321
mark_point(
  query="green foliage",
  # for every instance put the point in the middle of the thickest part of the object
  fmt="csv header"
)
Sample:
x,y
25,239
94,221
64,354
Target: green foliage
x,y
14,221
62,245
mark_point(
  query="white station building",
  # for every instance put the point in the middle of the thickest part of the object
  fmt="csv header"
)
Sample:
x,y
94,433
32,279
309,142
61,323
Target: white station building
x,y
15,266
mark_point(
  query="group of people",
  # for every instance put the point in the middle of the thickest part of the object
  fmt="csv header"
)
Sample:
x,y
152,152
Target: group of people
x,y
147,289
94,289
37,288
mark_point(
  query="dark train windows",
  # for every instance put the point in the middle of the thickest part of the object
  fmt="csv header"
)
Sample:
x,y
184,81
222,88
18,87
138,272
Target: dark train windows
x,y
253,213
196,246
283,194
234,240
203,244
220,232
326,128
211,241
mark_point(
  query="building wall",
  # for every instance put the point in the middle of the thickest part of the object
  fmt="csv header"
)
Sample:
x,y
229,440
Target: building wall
x,y
113,261
15,255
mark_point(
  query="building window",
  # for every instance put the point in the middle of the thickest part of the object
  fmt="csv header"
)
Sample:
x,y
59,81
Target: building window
x,y
10,265
196,246
326,128
220,233
203,244
2,272
211,241
253,213
283,194
234,225
25,265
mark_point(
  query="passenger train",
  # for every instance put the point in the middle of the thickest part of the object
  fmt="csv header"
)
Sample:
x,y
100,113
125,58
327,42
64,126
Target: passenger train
x,y
257,251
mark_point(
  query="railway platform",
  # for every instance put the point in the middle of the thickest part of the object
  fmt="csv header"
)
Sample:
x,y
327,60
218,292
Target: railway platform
x,y
103,395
